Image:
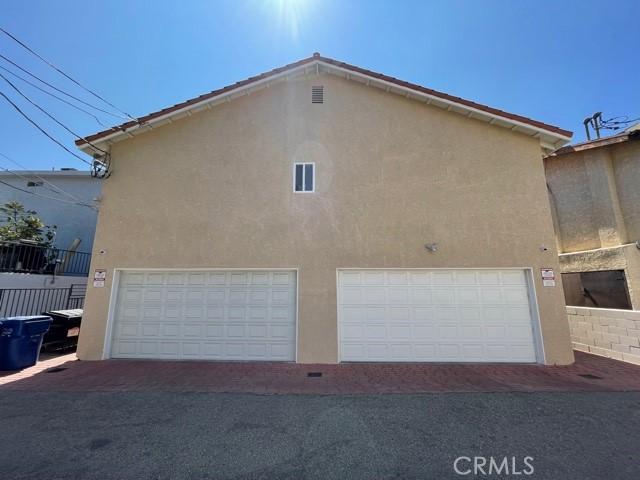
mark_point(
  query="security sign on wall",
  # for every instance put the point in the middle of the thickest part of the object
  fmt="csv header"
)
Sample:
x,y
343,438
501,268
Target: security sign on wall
x,y
548,277
99,277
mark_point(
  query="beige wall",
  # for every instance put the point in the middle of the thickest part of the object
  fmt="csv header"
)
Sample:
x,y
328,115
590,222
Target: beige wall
x,y
595,195
215,190
627,178
607,332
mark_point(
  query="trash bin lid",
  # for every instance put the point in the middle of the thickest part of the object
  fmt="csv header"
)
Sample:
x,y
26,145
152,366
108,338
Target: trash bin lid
x,y
27,325
25,318
72,313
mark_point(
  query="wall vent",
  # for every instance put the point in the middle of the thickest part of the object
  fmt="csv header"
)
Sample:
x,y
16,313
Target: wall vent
x,y
317,94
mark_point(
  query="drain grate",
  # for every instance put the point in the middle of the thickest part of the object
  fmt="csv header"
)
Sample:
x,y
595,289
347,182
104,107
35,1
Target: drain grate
x,y
590,376
55,369
314,374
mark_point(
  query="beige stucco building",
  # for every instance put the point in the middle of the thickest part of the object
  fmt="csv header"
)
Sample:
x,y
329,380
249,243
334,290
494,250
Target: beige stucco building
x,y
322,213
593,187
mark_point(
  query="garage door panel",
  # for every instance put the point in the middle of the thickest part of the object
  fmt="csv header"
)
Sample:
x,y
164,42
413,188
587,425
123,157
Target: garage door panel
x,y
471,332
258,313
399,314
419,278
468,313
488,277
445,314
467,296
443,296
376,332
400,331
423,313
514,277
280,313
126,347
469,277
170,330
281,296
397,296
283,278
435,315
371,295
472,352
375,314
134,279
515,296
369,278
176,278
224,315
128,329
421,296
425,332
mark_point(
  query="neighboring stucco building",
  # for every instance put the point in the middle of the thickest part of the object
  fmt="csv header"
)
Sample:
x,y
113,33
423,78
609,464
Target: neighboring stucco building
x,y
595,195
62,197
322,213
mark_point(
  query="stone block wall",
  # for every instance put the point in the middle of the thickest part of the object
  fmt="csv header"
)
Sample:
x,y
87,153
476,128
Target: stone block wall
x,y
606,332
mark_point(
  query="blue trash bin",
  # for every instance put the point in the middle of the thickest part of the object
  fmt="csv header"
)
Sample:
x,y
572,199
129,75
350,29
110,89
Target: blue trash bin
x,y
20,341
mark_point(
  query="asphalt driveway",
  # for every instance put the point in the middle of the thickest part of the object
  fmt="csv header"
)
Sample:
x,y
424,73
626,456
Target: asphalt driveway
x,y
171,435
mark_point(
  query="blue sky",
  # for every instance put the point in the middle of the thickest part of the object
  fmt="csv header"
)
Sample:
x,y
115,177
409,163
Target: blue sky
x,y
555,61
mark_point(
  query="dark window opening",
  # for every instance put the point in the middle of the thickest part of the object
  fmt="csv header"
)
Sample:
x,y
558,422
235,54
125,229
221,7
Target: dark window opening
x,y
304,180
308,177
604,289
299,176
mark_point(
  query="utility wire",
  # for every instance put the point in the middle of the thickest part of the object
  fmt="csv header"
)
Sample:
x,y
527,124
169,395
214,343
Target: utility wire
x,y
49,115
43,131
54,95
27,171
12,172
64,74
47,197
57,89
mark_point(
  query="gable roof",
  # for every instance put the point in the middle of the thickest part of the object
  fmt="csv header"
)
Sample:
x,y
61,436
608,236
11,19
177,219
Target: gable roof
x,y
551,137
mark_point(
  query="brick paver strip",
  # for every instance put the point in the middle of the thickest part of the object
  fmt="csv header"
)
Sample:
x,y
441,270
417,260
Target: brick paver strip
x,y
287,378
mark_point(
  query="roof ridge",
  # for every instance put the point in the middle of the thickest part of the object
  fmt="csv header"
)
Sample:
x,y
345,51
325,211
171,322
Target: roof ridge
x,y
317,57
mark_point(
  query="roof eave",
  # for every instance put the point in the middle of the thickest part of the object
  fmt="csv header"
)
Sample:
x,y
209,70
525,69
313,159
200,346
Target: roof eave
x,y
549,140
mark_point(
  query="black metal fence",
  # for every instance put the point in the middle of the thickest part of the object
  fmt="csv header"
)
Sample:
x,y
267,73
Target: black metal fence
x,y
26,258
34,301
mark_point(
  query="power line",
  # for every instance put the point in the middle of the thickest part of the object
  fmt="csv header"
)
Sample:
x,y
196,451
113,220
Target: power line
x,y
12,172
59,90
47,197
43,131
54,95
15,162
64,74
49,115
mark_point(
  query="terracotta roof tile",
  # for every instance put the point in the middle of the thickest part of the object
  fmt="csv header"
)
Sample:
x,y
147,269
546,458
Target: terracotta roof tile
x,y
317,57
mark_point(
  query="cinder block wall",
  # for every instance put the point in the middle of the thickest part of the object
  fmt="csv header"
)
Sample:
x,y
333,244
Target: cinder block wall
x,y
607,332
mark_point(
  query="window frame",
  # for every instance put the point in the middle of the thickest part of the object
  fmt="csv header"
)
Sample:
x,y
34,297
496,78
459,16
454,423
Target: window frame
x,y
313,182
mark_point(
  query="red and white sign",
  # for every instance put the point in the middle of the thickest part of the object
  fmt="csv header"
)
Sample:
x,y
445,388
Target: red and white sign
x,y
548,277
99,277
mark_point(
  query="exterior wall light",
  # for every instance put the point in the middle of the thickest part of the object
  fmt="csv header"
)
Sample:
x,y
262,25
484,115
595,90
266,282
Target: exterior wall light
x,y
432,247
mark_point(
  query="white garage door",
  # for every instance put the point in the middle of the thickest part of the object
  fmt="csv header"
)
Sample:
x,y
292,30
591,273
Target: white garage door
x,y
217,315
435,316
